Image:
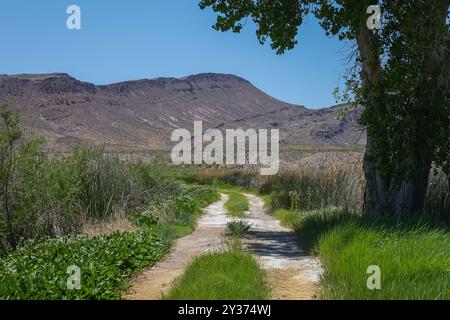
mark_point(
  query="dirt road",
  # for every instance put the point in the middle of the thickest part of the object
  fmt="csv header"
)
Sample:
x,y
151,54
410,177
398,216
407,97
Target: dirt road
x,y
207,237
291,273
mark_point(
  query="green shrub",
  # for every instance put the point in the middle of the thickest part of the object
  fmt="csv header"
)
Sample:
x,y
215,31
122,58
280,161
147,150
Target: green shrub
x,y
192,199
144,220
38,270
237,228
234,231
176,207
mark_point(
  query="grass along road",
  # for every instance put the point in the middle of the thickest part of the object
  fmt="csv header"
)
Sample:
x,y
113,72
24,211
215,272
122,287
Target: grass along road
x,y
289,272
228,275
237,204
155,282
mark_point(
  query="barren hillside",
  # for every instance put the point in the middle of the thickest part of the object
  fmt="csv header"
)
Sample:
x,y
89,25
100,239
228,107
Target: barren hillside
x,y
142,114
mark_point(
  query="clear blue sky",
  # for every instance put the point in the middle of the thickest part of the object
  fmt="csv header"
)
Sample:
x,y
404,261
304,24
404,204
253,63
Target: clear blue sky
x,y
136,39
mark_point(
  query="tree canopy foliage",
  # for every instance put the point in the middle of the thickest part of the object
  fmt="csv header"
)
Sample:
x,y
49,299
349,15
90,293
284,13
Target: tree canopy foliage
x,y
401,77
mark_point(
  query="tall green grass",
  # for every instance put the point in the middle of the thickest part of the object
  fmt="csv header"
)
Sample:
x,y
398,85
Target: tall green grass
x,y
288,218
237,204
44,195
311,189
221,276
56,196
413,255
414,264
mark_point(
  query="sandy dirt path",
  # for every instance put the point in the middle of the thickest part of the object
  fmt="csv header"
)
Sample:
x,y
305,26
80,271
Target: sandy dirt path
x,y
207,237
292,274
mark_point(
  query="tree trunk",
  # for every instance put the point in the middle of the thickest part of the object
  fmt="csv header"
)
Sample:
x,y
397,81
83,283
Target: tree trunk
x,y
381,197
375,195
408,197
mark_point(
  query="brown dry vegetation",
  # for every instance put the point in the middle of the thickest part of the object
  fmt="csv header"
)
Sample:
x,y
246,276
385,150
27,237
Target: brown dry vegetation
x,y
310,180
116,223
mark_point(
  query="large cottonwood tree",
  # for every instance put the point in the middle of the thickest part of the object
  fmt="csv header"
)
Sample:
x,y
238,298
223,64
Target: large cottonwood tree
x,y
402,81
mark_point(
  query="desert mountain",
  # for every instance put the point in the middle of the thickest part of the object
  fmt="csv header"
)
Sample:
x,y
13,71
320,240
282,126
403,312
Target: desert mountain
x,y
142,114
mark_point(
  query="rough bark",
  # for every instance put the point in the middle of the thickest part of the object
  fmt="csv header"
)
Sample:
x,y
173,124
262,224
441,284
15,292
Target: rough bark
x,y
375,197
409,195
409,198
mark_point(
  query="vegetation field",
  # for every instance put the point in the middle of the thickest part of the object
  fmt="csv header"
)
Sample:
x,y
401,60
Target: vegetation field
x,y
38,269
324,207
46,201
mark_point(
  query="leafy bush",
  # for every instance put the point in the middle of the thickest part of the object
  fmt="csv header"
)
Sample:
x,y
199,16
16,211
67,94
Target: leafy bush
x,y
144,220
235,230
171,197
413,264
192,199
174,208
38,270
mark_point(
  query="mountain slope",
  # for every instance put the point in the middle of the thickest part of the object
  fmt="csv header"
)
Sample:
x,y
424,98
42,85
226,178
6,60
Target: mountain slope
x,y
143,113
